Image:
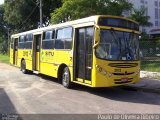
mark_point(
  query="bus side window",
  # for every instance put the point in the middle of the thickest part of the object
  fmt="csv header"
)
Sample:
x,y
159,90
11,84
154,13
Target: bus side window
x,y
21,42
68,37
28,42
48,40
59,43
64,38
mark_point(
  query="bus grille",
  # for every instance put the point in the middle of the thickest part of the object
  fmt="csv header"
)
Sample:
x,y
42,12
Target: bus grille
x,y
123,65
123,73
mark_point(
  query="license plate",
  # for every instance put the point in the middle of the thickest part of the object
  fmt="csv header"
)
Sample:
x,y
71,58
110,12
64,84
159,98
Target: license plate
x,y
124,79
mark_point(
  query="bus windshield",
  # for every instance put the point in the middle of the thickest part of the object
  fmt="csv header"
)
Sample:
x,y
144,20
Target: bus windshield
x,y
118,45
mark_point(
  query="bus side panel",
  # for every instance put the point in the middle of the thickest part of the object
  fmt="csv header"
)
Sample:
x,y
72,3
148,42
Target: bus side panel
x,y
25,54
46,63
64,57
20,56
11,56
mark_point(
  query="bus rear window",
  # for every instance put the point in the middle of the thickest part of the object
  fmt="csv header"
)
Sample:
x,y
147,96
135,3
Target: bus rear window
x,y
117,22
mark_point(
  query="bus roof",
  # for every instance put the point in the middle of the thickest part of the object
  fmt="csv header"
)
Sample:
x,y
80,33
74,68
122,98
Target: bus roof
x,y
93,19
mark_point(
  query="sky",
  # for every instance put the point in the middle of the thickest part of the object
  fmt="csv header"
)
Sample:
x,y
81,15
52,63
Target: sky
x,y
1,1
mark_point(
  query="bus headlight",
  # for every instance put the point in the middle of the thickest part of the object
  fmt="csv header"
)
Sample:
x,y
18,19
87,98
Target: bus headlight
x,y
139,70
105,73
100,69
110,74
137,73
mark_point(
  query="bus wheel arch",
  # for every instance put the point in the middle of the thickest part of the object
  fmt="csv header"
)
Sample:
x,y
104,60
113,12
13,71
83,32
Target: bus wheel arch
x,y
23,66
64,72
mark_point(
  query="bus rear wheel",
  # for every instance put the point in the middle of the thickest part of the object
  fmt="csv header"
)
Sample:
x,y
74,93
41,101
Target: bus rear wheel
x,y
23,67
66,78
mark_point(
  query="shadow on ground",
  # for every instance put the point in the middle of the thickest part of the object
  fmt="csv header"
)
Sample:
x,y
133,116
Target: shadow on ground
x,y
121,93
6,105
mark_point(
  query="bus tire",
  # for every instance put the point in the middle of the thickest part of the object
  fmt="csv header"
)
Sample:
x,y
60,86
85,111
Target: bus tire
x,y
23,67
66,78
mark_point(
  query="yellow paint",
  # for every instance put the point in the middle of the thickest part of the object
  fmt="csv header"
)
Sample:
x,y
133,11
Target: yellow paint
x,y
11,56
99,79
82,83
79,80
37,61
49,61
25,54
88,82
16,55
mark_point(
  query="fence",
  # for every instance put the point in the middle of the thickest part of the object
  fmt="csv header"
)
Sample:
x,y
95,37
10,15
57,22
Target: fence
x,y
150,55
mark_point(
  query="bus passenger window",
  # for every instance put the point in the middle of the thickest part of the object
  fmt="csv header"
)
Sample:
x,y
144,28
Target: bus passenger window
x,y
59,44
28,42
68,37
64,38
48,35
21,42
48,40
59,40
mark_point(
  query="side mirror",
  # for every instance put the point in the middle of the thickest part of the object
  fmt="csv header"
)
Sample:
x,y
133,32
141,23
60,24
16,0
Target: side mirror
x,y
97,36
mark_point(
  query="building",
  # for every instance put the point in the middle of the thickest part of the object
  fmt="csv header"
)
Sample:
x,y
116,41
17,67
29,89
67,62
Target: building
x,y
153,10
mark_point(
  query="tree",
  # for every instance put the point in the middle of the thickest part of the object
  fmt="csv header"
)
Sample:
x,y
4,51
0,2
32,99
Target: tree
x,y
24,14
139,16
143,20
3,32
2,23
75,9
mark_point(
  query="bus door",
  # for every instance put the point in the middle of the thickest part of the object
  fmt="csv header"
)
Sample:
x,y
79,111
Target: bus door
x,y
83,54
15,51
36,52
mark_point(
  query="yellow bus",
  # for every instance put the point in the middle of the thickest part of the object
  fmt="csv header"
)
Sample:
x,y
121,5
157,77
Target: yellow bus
x,y
97,51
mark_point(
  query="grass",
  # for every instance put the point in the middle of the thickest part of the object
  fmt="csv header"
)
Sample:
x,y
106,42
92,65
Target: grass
x,y
152,66
4,58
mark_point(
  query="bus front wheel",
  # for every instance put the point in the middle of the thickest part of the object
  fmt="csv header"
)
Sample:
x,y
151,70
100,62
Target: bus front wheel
x,y
66,78
23,67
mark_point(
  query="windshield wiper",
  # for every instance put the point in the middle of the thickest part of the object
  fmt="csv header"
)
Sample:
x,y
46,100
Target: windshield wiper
x,y
113,33
116,39
127,52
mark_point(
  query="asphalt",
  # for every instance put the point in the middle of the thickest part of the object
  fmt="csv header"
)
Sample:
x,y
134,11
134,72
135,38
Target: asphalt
x,y
147,85
38,94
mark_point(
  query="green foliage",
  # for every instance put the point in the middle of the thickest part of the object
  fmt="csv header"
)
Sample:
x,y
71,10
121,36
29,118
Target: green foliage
x,y
3,32
139,16
2,22
3,44
150,55
152,66
16,12
144,36
4,58
24,14
75,9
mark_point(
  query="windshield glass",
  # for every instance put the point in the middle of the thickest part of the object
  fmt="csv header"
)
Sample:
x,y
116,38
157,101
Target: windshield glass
x,y
118,45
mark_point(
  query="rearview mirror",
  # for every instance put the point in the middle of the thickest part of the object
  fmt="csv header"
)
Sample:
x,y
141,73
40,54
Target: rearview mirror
x,y
97,36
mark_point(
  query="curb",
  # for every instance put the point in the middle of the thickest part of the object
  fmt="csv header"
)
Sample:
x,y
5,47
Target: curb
x,y
146,74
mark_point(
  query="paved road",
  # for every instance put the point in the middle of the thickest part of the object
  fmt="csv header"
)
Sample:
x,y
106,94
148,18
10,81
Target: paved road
x,y
37,94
